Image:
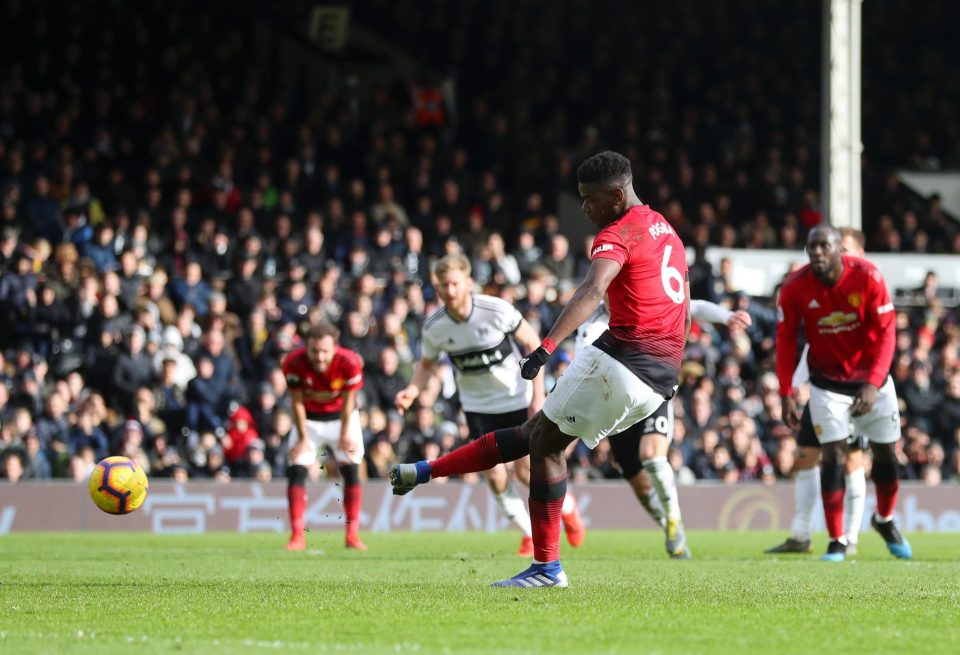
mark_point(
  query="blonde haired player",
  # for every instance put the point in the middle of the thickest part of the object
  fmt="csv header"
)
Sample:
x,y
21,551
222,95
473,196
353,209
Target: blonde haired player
x,y
480,334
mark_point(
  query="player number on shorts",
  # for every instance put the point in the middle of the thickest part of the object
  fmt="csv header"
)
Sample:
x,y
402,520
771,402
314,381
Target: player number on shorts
x,y
671,277
656,424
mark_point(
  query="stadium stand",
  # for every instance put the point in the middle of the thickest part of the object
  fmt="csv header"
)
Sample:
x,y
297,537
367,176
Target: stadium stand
x,y
172,212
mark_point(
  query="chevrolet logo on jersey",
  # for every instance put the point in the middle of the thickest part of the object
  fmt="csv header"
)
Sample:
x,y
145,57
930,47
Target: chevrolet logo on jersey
x,y
835,322
319,396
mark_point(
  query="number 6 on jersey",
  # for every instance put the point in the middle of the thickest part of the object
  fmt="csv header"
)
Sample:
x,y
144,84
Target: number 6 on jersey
x,y
669,275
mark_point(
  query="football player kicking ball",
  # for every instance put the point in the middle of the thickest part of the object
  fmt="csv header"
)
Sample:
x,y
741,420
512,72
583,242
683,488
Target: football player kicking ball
x,y
847,317
323,379
480,335
641,450
806,488
617,381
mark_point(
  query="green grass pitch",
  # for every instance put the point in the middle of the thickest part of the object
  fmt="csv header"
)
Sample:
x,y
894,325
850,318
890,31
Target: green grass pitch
x,y
427,593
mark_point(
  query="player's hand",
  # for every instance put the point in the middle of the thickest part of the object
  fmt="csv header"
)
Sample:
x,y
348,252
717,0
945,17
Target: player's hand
x,y
739,321
301,447
791,416
532,363
347,446
405,398
864,400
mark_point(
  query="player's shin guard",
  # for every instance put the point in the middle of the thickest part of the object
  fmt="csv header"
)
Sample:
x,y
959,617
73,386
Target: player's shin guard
x,y
352,499
806,493
297,499
482,454
884,474
546,504
831,489
515,509
661,475
854,500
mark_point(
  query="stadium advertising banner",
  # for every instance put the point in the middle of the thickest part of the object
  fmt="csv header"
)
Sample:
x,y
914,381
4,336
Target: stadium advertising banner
x,y
253,507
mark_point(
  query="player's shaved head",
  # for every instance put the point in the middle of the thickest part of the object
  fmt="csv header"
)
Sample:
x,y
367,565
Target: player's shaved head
x,y
823,249
827,232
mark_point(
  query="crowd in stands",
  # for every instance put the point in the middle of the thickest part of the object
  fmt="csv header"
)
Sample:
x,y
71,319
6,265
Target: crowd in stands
x,y
170,221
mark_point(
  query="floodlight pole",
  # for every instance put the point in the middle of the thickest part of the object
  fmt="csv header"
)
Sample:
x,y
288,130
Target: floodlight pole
x,y
840,140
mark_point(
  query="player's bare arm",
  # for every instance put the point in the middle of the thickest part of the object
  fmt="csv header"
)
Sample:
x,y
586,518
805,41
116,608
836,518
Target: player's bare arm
x,y
688,321
585,301
424,370
529,340
349,404
300,421
788,325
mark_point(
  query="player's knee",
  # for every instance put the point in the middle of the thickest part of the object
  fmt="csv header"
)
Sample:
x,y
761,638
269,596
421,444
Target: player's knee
x,y
834,453
854,460
832,473
806,458
884,453
548,442
297,475
350,474
512,444
653,446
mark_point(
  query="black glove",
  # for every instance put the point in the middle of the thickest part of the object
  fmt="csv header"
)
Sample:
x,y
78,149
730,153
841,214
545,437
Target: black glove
x,y
531,364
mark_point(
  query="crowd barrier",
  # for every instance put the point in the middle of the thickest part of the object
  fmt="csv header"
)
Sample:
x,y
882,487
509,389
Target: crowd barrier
x,y
197,507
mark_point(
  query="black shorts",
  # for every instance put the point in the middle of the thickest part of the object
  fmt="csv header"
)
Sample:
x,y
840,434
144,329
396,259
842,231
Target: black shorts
x,y
480,424
625,446
807,435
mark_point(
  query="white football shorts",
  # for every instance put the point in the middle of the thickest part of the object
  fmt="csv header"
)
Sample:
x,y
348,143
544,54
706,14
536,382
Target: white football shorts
x,y
833,419
327,433
597,396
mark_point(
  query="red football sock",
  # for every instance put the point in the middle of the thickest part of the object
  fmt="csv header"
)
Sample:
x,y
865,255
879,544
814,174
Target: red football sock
x,y
545,521
887,497
546,507
480,455
297,503
352,500
833,511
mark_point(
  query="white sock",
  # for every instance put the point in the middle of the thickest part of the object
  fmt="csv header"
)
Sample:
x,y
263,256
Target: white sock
x,y
515,509
569,504
651,503
661,475
854,499
806,495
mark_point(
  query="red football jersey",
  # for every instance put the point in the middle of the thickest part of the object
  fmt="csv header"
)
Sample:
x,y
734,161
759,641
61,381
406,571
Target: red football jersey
x,y
647,297
322,392
849,326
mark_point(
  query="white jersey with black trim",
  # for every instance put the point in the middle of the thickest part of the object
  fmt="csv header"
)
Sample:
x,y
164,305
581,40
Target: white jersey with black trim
x,y
483,353
592,328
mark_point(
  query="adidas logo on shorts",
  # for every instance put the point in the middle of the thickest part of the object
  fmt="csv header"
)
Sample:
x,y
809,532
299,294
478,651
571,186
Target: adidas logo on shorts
x,y
570,419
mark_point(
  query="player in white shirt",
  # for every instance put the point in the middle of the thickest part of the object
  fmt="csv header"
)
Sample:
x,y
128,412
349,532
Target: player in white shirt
x,y
806,490
480,335
641,451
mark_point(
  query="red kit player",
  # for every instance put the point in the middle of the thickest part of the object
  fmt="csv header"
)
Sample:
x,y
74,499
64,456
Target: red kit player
x,y
848,320
323,380
618,380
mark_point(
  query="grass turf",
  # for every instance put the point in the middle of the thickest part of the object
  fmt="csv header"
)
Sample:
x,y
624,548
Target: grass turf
x,y
427,593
